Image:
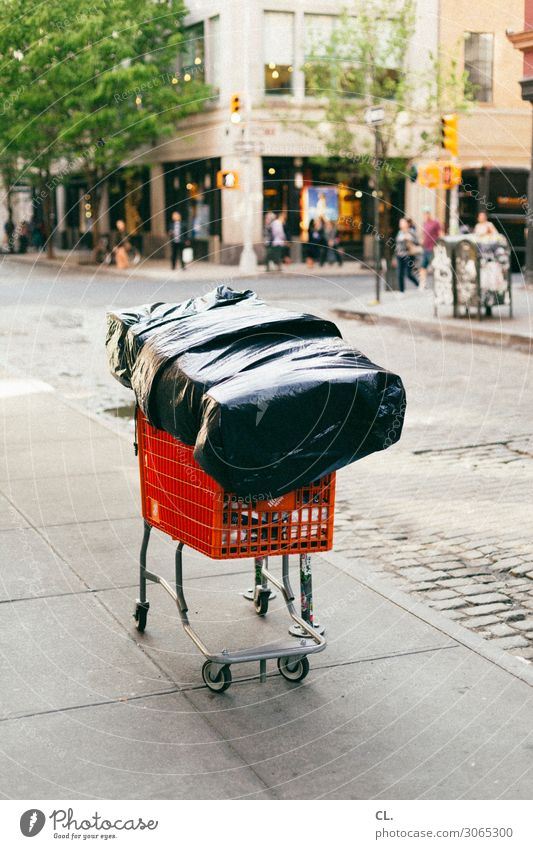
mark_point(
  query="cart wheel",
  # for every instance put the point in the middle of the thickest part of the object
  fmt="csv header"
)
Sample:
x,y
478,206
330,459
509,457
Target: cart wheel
x,y
293,670
261,603
141,615
219,682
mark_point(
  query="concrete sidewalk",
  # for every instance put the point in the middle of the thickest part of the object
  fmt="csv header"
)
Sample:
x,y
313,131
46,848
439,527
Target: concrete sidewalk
x,y
402,704
414,312
159,269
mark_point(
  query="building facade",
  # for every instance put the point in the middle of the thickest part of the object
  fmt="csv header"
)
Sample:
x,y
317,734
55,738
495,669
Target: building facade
x,y
257,49
495,136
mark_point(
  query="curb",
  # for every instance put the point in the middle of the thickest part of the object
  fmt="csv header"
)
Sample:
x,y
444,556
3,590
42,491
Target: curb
x,y
470,640
443,330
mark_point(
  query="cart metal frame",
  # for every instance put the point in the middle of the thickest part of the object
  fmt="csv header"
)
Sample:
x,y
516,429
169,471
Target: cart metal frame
x,y
292,658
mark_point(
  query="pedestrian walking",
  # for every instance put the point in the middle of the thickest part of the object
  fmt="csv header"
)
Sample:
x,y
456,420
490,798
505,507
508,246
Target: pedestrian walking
x,y
322,241
177,242
431,230
332,240
24,237
312,252
9,230
279,239
406,249
37,235
267,238
121,245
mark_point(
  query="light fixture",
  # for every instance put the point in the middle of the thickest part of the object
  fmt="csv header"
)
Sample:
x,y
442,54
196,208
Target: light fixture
x,y
187,78
138,100
88,215
290,69
271,170
174,80
197,61
374,194
275,75
359,194
271,65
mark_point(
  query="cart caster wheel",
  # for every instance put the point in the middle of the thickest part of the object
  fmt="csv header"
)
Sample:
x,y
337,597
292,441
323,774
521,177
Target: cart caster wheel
x,y
261,602
293,670
141,615
219,681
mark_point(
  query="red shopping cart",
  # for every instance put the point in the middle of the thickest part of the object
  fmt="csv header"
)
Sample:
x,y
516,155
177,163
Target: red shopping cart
x,y
181,500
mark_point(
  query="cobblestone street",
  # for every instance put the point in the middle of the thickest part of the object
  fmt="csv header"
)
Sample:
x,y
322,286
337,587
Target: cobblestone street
x,y
447,514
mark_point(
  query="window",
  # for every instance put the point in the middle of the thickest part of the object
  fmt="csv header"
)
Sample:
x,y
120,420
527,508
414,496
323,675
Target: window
x,y
479,49
318,34
191,61
278,50
214,53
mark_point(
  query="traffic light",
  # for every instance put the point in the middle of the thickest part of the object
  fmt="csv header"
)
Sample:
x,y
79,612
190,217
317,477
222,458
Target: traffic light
x,y
235,109
449,135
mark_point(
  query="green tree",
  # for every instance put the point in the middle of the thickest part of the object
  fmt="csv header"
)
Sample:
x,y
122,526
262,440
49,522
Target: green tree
x,y
365,64
98,85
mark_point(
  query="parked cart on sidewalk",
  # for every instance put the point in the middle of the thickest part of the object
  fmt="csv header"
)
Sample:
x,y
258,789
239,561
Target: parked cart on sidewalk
x,y
181,500
244,414
472,275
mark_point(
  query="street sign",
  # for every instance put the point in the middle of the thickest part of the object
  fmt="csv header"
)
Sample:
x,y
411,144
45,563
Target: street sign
x,y
439,175
227,179
375,115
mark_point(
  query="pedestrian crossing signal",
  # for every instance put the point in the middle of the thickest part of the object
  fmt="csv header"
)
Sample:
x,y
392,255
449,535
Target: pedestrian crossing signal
x,y
449,134
227,180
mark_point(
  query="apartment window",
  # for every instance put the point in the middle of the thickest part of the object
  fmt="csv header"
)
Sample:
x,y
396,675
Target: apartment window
x,y
479,55
318,32
191,63
278,48
214,60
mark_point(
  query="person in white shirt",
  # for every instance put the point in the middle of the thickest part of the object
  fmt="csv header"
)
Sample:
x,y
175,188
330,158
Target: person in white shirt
x,y
176,240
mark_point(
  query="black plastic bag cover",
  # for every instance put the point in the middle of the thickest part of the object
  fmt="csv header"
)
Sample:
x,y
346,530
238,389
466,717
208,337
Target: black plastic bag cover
x,y
289,421
139,349
271,399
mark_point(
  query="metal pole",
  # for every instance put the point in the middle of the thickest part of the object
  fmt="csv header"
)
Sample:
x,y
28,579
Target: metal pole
x,y
248,260
377,253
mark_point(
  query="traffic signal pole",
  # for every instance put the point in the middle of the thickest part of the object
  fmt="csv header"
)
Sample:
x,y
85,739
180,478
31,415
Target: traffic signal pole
x,y
248,260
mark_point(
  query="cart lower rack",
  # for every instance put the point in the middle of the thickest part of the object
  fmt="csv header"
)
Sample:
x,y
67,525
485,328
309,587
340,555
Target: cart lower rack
x,y
180,499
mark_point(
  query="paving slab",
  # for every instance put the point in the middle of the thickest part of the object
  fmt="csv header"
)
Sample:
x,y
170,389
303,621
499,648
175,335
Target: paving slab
x,y
445,724
30,568
10,517
78,498
68,458
151,748
359,623
106,553
67,651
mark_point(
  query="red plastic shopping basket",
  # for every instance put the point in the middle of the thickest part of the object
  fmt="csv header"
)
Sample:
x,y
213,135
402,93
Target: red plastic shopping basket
x,y
179,498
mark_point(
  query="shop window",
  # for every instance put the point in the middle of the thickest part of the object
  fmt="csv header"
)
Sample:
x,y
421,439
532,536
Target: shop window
x,y
278,51
191,61
479,55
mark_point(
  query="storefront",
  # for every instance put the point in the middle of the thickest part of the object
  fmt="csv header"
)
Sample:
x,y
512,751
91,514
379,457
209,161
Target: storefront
x,y
190,189
306,190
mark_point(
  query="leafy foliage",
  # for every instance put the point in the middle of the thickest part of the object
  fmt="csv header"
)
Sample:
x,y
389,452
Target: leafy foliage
x,y
93,84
